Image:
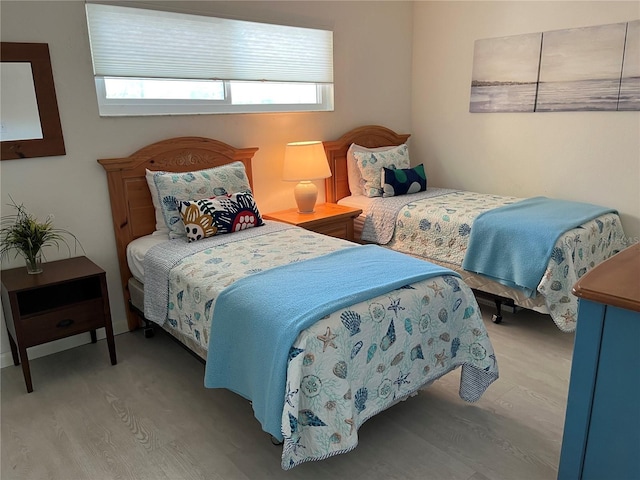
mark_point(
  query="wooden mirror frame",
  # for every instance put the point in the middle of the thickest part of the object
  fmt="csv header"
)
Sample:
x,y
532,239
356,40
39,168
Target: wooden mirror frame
x,y
52,141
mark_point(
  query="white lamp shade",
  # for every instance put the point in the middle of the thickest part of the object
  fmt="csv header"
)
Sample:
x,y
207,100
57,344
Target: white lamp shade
x,y
305,161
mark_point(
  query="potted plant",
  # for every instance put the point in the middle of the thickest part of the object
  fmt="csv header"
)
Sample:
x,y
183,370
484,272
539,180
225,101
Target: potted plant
x,y
23,233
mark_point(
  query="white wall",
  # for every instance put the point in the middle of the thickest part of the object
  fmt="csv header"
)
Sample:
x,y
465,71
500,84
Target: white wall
x,y
589,156
372,63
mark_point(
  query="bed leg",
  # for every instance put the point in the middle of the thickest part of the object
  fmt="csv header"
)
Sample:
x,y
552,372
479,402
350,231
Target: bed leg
x,y
148,326
497,318
148,329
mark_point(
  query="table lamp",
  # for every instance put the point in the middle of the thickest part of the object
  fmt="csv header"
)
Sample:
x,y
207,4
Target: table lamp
x,y
304,162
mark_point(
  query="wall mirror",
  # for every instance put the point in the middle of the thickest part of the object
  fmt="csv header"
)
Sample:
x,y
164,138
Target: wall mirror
x,y
29,121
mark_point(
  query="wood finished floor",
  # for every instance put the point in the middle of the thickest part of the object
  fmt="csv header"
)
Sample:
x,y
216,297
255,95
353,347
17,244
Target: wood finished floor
x,y
149,417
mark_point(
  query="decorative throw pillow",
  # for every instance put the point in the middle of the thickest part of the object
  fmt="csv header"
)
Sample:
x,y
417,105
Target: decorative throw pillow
x,y
371,164
354,177
403,180
207,217
168,189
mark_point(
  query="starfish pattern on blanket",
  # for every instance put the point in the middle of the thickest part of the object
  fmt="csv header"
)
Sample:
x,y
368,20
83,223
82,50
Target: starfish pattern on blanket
x,y
437,289
401,380
327,339
395,306
569,316
440,358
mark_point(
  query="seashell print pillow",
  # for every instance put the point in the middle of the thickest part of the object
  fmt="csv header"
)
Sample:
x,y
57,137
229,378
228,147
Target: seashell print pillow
x,y
218,215
354,176
370,165
168,189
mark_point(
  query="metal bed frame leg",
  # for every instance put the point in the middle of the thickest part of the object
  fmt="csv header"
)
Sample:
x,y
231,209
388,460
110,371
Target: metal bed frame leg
x,y
497,317
148,326
148,329
498,300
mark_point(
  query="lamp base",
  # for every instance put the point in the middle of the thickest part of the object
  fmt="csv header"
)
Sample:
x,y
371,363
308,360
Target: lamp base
x,y
306,194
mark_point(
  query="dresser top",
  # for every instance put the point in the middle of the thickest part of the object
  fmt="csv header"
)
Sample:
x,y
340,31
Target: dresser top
x,y
615,281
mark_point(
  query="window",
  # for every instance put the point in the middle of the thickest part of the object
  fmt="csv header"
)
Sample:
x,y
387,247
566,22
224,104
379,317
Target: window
x,y
149,62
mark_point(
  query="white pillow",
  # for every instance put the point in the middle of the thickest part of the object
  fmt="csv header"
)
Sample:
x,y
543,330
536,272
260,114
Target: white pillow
x,y
161,227
370,165
168,189
356,183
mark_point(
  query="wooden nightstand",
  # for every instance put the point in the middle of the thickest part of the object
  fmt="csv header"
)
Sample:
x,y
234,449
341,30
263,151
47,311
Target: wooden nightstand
x,y
329,219
68,297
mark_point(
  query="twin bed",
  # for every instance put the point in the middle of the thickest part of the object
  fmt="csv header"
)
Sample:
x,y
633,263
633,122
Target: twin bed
x,y
436,225
362,340
320,334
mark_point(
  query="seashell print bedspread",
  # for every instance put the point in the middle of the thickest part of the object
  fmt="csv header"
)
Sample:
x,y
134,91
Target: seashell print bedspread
x,y
438,229
355,362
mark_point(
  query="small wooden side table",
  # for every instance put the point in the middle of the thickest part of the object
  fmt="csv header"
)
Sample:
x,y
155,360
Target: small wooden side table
x,y
328,218
69,297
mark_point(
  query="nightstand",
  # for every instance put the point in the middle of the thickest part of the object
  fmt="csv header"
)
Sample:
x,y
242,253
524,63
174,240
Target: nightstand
x,y
69,297
329,219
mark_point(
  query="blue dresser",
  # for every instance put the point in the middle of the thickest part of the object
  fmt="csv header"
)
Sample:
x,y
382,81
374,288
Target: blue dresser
x,y
602,424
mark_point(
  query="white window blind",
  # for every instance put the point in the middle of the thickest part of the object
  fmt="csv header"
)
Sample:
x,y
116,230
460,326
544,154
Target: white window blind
x,y
132,42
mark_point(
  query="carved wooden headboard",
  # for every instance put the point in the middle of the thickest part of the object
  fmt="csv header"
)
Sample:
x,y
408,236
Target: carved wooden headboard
x,y
131,206
370,136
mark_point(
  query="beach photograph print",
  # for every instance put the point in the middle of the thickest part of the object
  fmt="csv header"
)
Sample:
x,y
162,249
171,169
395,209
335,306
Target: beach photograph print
x,y
505,74
580,69
630,84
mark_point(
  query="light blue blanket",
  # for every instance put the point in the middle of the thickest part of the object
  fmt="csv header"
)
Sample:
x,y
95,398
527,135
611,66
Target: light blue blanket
x,y
257,319
513,244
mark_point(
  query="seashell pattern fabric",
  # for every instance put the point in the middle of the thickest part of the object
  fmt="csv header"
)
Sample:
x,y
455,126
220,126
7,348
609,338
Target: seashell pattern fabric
x,y
353,363
394,359
438,229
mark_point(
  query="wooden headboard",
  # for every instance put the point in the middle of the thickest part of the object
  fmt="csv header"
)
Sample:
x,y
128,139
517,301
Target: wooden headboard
x,y
131,206
370,136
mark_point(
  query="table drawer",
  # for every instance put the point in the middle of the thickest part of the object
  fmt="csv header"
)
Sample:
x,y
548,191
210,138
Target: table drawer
x,y
63,322
336,229
333,230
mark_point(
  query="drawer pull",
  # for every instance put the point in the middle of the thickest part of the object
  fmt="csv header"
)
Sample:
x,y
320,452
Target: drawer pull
x,y
65,323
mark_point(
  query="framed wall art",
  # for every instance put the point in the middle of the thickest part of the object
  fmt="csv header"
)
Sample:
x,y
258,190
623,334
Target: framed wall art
x,y
580,69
